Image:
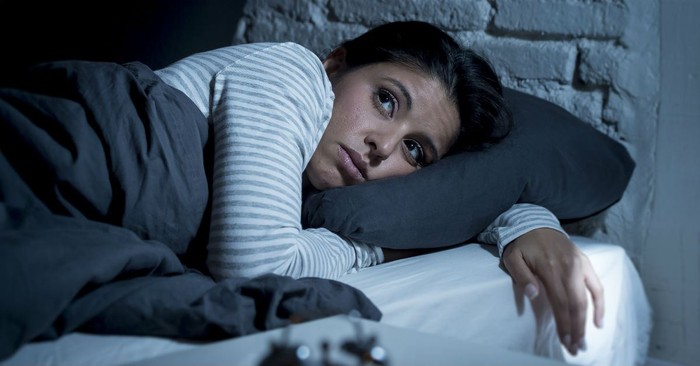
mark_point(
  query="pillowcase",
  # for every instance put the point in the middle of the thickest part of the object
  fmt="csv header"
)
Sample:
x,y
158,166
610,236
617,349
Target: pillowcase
x,y
550,158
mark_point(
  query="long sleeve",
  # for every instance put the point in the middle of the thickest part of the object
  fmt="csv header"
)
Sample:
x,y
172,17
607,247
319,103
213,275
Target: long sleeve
x,y
516,221
268,104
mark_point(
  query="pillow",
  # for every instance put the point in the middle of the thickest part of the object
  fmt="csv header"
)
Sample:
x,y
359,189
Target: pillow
x,y
550,158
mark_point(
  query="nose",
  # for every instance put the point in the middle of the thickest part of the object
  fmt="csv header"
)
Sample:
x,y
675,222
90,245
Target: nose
x,y
382,144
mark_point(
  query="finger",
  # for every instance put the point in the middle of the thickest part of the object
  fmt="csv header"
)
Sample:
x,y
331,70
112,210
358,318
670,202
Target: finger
x,y
521,274
552,281
559,300
597,293
578,303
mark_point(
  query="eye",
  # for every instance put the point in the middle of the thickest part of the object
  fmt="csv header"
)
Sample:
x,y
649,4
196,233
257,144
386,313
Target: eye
x,y
415,152
386,102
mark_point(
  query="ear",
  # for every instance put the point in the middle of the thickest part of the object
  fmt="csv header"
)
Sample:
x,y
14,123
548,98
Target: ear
x,y
335,61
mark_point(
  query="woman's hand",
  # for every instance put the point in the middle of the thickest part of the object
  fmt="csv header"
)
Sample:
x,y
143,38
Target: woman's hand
x,y
548,257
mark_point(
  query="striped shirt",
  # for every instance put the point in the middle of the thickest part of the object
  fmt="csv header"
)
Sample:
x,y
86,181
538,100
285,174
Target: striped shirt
x,y
269,104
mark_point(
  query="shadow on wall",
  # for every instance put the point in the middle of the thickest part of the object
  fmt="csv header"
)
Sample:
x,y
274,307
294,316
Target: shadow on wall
x,y
155,32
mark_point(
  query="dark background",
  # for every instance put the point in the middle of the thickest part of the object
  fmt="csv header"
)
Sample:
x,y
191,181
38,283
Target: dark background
x,y
155,32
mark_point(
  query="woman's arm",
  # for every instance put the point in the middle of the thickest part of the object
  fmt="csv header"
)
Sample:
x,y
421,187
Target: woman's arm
x,y
268,105
516,221
546,257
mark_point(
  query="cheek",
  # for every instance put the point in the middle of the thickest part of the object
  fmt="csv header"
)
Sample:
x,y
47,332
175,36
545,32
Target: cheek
x,y
395,166
352,111
347,129
318,171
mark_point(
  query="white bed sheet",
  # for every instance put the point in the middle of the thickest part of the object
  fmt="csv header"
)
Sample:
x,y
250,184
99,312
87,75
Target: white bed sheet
x,y
460,293
463,293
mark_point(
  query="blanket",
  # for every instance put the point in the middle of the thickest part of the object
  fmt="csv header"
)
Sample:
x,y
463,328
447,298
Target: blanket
x,y
104,199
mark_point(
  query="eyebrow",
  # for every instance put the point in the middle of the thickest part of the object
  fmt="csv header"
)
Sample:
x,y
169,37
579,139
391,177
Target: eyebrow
x,y
404,91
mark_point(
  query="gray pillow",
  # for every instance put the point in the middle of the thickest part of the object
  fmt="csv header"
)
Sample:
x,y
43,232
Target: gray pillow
x,y
550,158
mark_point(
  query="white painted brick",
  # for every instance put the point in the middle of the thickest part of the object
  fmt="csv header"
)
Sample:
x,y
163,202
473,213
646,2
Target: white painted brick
x,y
636,77
470,38
521,59
618,110
600,63
448,14
606,19
300,10
585,105
320,41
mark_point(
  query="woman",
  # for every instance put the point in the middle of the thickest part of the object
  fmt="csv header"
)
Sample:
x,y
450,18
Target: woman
x,y
387,103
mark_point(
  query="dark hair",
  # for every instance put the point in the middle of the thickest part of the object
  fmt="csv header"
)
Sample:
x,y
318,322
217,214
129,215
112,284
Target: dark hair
x,y
469,79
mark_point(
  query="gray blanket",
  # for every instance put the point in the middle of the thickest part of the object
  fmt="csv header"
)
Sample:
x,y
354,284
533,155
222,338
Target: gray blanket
x,y
104,194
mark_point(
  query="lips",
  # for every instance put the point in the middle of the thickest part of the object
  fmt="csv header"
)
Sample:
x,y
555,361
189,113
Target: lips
x,y
351,164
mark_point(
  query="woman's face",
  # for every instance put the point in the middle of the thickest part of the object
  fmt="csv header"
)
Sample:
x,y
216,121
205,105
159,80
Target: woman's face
x,y
388,120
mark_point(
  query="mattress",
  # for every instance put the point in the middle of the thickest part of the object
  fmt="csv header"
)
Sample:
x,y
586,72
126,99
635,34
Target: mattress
x,y
465,294
461,293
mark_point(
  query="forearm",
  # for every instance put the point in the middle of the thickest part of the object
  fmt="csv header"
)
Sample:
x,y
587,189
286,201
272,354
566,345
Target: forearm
x,y
308,253
521,218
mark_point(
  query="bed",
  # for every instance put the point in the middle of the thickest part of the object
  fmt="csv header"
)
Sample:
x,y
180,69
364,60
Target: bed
x,y
101,261
442,293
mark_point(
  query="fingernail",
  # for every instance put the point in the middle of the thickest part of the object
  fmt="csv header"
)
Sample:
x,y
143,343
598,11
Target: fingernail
x,y
530,291
582,344
569,347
